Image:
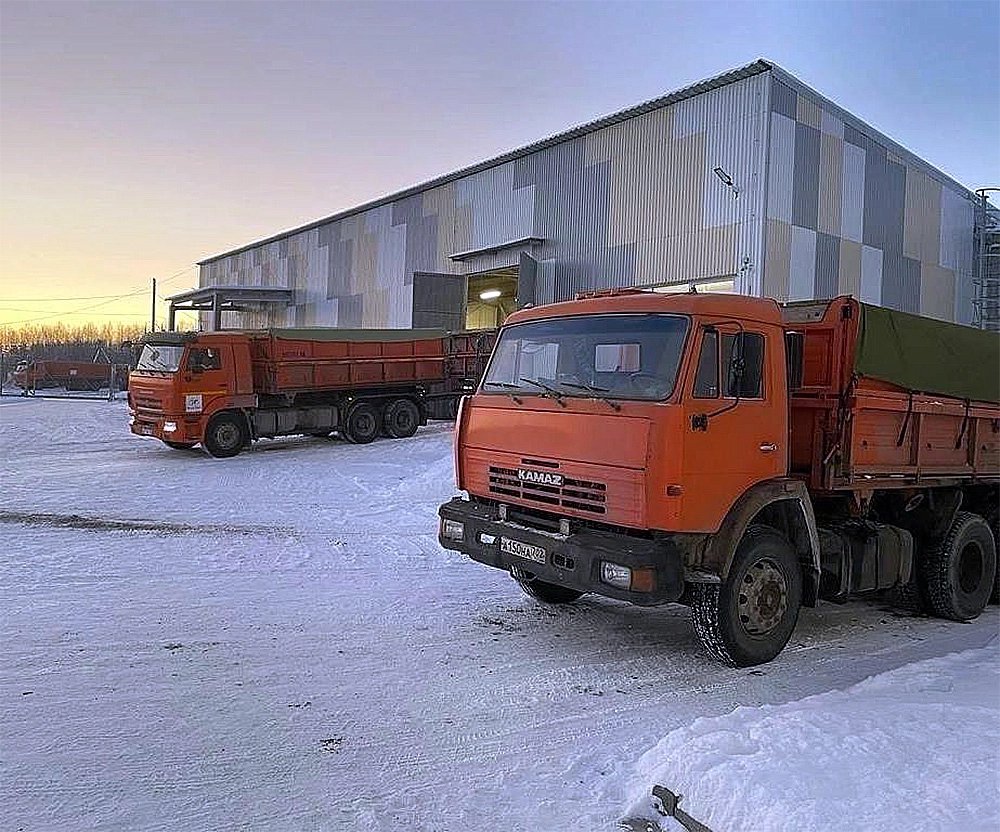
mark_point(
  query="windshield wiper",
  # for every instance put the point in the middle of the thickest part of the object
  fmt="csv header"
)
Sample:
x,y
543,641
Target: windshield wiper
x,y
552,392
505,386
598,392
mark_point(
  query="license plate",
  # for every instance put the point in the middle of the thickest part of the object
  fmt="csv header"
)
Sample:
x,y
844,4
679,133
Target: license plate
x,y
147,430
522,550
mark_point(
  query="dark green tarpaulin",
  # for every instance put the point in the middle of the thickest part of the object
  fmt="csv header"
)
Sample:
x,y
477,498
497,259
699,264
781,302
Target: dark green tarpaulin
x,y
928,356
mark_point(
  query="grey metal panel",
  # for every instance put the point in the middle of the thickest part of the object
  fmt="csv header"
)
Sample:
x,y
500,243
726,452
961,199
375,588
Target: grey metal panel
x,y
439,301
784,100
876,193
526,272
901,282
350,311
827,265
895,205
805,182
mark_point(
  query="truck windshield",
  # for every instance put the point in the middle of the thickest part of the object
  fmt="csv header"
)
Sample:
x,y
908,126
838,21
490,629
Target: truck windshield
x,y
614,356
162,358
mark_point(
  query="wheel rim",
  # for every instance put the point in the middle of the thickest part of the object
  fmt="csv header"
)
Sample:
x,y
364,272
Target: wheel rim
x,y
763,597
364,424
970,568
227,435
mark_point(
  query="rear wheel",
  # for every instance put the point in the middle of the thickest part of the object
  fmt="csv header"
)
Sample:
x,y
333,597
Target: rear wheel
x,y
225,436
402,418
542,591
361,424
749,617
959,572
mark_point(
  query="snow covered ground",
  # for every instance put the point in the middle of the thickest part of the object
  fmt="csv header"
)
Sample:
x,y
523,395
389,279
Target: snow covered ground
x,y
277,642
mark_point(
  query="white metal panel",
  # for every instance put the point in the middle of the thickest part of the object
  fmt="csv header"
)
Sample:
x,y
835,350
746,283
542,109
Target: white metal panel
x,y
802,266
853,204
871,274
781,168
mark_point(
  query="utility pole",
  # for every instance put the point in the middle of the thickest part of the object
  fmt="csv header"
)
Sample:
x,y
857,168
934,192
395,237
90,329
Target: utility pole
x,y
152,318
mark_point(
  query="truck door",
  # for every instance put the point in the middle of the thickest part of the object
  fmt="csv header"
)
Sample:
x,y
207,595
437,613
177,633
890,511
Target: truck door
x,y
208,376
736,419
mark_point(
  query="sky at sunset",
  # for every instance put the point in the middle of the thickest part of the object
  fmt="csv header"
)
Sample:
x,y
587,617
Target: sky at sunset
x,y
138,138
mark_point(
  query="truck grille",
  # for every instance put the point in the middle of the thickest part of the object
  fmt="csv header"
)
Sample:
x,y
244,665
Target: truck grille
x,y
147,402
582,495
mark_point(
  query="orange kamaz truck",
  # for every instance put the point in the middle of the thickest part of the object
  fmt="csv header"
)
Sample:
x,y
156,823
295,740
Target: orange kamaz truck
x,y
226,389
734,455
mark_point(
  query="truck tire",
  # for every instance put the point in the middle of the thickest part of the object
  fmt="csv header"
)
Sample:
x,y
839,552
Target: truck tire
x,y
959,571
749,617
361,424
225,436
402,418
993,521
542,591
180,446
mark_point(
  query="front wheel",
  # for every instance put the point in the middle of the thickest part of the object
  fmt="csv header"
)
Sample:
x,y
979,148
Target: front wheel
x,y
542,591
225,436
749,617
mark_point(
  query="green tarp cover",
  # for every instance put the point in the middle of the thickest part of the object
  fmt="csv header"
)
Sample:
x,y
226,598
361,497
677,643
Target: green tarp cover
x,y
928,356
334,334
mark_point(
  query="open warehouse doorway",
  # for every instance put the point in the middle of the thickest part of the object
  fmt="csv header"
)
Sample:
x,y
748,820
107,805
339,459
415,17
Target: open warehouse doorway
x,y
492,295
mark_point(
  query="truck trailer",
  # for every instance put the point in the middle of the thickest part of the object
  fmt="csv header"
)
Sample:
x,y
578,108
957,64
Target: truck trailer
x,y
735,455
226,389
39,374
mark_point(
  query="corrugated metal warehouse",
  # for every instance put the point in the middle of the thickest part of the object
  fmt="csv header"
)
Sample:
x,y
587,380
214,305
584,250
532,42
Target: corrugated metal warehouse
x,y
749,182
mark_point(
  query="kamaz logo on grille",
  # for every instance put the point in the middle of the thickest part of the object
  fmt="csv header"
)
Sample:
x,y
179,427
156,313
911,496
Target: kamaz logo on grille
x,y
539,477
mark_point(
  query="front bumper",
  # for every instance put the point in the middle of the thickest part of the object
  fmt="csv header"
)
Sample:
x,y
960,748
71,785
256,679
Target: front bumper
x,y
144,424
572,561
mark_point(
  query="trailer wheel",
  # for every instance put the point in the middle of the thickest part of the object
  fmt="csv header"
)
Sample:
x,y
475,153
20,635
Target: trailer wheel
x,y
180,446
749,617
402,418
225,435
361,424
540,590
959,571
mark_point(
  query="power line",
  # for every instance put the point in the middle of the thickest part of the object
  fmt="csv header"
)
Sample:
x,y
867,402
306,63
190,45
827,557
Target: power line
x,y
113,299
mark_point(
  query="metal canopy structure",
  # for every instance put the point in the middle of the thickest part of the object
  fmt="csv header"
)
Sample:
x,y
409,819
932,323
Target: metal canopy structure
x,y
219,299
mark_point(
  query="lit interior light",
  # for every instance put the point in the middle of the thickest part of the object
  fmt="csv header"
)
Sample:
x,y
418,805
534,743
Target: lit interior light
x,y
489,294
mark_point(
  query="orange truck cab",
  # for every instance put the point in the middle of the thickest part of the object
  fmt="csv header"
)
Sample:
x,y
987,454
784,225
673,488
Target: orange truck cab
x,y
226,389
732,454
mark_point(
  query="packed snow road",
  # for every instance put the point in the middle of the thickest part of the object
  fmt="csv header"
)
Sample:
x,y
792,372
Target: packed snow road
x,y
276,641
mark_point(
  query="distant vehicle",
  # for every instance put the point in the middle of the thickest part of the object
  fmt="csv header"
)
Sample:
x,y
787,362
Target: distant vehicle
x,y
226,389
39,374
735,455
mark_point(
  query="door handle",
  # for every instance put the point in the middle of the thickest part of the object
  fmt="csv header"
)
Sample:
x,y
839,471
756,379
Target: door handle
x,y
768,447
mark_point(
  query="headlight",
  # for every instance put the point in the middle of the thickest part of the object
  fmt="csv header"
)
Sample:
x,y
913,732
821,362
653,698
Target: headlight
x,y
452,530
169,427
616,575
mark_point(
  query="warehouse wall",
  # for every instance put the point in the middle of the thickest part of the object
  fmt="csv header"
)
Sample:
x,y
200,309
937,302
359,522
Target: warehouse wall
x,y
847,214
634,203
